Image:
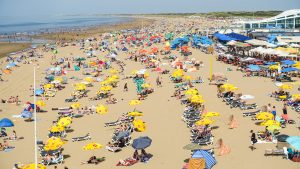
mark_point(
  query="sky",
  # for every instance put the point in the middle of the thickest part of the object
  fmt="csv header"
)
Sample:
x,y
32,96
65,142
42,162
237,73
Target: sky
x,y
25,8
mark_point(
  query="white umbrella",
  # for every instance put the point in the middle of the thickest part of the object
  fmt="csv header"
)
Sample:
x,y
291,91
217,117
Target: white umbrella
x,y
247,97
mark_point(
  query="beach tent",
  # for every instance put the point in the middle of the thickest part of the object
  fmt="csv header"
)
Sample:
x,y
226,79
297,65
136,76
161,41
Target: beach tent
x,y
238,37
5,122
222,37
39,92
210,161
294,141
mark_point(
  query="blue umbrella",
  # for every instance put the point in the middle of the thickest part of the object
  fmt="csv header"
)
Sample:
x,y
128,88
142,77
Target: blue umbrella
x,y
5,122
141,143
26,114
12,64
210,161
289,69
271,63
254,67
39,92
288,62
294,141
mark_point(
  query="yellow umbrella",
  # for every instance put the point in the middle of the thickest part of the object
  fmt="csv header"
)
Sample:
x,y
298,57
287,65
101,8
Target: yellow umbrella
x,y
187,77
177,73
195,97
113,71
115,77
204,121
41,103
264,116
134,72
65,121
33,166
106,88
197,101
146,85
139,125
286,87
135,113
191,92
89,79
60,79
80,86
146,75
296,96
228,87
55,140
75,105
270,123
134,102
273,127
211,114
105,82
55,129
48,86
92,146
273,67
54,144
101,109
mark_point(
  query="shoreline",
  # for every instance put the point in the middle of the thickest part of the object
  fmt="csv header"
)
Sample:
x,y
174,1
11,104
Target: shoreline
x,y
10,47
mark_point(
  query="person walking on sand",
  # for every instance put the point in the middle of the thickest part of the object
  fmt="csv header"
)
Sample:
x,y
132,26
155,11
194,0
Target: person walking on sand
x,y
223,149
253,140
233,122
125,87
274,112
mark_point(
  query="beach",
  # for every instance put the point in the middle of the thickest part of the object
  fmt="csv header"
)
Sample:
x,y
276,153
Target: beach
x,y
161,112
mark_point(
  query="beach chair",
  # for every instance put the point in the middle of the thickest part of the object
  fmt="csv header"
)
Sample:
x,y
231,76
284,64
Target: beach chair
x,y
251,114
275,152
58,160
86,137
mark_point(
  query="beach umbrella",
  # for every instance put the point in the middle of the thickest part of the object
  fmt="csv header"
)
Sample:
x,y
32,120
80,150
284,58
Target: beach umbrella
x,y
39,92
57,128
101,109
5,122
146,85
135,113
286,87
210,114
141,143
75,105
294,141
115,77
204,121
247,97
80,86
33,166
282,137
41,103
134,102
289,69
53,143
65,121
288,62
296,96
134,72
113,71
59,79
264,116
192,146
48,86
92,146
210,161
273,67
187,78
270,123
89,79
139,125
192,92
106,88
273,127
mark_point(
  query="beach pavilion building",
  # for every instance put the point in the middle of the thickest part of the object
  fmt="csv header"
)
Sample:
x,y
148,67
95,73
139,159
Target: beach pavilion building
x,y
289,19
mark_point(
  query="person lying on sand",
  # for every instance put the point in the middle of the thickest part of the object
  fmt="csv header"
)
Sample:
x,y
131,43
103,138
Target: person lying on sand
x,y
93,160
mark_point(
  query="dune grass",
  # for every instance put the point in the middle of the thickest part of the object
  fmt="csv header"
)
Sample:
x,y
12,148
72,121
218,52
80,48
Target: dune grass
x,y
6,48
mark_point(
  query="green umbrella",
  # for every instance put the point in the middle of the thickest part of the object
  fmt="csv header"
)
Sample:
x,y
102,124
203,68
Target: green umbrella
x,y
192,146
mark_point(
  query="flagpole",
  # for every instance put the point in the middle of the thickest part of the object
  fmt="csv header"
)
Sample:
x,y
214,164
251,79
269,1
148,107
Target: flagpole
x,y
35,119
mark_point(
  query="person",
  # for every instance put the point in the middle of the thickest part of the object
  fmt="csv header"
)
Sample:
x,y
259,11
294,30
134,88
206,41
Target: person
x,y
284,113
125,87
269,109
91,160
13,136
253,140
223,149
233,122
136,155
1,147
274,111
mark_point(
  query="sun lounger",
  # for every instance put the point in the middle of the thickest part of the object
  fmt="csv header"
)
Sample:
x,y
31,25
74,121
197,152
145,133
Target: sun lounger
x,y
113,148
86,137
275,152
58,160
250,113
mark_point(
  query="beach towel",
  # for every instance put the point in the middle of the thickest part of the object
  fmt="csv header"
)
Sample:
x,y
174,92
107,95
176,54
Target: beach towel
x,y
196,163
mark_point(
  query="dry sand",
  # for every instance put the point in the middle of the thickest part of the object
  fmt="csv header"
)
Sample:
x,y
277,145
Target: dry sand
x,y
162,115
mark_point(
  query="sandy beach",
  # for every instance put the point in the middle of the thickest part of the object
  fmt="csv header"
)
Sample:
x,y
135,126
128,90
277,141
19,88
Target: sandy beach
x,y
162,113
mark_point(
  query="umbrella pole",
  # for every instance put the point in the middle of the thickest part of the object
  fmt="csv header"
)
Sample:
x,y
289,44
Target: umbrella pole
x,y
35,137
